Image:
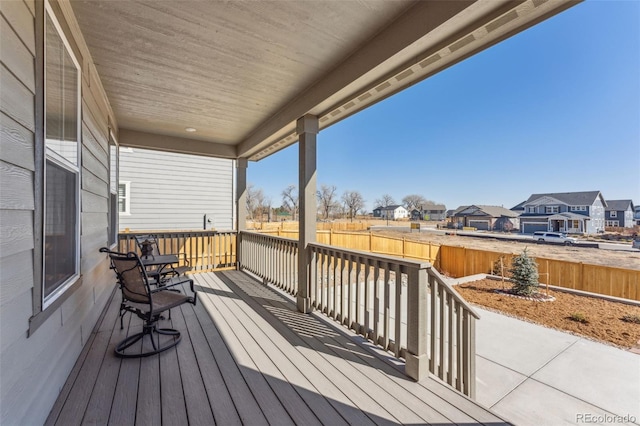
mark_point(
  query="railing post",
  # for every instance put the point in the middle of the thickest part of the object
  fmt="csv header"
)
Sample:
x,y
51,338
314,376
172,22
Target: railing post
x,y
239,250
417,363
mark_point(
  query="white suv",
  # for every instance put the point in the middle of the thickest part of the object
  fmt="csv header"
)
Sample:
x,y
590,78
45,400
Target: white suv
x,y
553,237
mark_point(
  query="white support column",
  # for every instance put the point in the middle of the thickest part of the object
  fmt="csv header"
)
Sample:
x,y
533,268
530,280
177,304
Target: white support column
x,y
307,129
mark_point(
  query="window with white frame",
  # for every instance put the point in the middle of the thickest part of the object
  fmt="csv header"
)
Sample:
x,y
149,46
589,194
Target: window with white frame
x,y
613,213
62,163
124,197
578,208
113,190
531,209
551,209
614,223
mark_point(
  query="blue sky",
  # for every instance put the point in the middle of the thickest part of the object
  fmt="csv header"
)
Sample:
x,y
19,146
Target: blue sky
x,y
553,109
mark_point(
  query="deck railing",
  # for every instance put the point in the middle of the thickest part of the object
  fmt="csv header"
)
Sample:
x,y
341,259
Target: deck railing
x,y
202,250
274,259
402,305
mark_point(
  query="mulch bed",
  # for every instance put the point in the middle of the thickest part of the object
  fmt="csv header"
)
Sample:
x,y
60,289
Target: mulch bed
x,y
596,319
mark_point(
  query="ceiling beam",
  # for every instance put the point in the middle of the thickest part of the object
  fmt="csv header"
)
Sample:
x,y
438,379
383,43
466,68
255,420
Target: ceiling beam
x,y
135,139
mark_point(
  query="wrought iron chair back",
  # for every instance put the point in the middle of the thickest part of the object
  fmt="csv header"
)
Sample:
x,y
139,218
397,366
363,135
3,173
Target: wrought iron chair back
x,y
147,304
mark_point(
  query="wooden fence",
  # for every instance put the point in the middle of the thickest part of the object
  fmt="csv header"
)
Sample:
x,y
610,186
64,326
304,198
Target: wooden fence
x,y
270,227
461,261
610,281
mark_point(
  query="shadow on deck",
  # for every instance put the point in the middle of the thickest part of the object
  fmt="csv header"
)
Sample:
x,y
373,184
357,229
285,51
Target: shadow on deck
x,y
247,356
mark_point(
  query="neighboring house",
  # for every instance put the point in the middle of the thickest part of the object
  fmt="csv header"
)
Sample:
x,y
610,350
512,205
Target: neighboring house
x,y
172,191
636,216
391,212
430,212
570,212
619,213
486,218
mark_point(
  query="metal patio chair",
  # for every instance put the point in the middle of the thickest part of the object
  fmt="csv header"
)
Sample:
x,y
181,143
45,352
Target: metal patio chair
x,y
148,304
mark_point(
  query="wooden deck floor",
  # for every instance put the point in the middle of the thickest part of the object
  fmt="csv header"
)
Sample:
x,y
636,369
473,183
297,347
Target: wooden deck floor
x,y
248,357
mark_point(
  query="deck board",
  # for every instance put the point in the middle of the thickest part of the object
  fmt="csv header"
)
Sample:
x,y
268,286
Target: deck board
x,y
195,393
328,364
368,383
248,357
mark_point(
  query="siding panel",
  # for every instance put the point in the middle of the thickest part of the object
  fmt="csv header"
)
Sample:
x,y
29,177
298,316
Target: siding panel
x,y
14,317
16,275
91,163
92,183
16,100
93,221
20,18
188,187
94,204
96,124
16,228
16,143
97,147
17,190
16,56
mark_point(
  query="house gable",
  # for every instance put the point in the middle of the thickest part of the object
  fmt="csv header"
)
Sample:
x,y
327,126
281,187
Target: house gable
x,y
544,201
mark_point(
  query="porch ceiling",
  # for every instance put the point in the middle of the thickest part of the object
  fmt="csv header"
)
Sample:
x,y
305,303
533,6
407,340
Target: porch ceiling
x,y
241,73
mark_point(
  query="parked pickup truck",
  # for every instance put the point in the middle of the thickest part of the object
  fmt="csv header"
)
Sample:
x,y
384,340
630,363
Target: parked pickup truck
x,y
553,237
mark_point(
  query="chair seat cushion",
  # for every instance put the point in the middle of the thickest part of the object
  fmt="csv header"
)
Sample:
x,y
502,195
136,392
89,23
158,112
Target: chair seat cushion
x,y
167,299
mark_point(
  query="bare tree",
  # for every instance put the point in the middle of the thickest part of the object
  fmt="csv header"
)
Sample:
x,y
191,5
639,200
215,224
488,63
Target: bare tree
x,y
290,200
252,195
384,201
414,201
326,199
257,203
353,201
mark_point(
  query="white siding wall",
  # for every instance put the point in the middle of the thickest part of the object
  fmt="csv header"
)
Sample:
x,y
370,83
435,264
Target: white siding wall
x,y
170,191
34,368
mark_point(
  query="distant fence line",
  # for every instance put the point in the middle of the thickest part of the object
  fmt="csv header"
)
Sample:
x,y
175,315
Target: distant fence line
x,y
210,250
321,226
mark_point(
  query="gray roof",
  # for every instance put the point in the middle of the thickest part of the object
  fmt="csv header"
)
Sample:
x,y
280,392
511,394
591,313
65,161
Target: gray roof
x,y
459,209
434,207
619,205
568,215
492,211
393,207
519,206
585,198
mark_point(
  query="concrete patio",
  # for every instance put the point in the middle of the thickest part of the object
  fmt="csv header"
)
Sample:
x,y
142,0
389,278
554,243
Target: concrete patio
x,y
533,375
